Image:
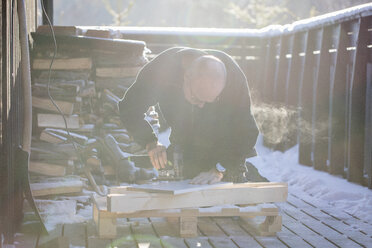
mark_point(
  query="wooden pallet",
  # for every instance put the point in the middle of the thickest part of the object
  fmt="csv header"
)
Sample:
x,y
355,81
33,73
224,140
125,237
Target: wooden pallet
x,y
186,208
105,221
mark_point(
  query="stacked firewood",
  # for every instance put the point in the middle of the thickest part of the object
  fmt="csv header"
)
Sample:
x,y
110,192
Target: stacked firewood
x,y
79,134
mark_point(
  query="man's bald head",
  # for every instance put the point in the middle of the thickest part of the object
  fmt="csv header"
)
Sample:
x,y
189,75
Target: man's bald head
x,y
204,80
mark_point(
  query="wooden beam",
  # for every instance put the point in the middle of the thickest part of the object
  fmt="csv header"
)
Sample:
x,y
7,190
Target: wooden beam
x,y
45,103
176,187
268,80
368,140
47,169
306,101
52,137
117,72
56,121
357,104
337,103
320,122
234,194
81,139
55,188
63,64
280,70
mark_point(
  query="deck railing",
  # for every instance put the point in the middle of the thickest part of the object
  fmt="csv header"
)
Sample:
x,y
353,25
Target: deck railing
x,y
320,69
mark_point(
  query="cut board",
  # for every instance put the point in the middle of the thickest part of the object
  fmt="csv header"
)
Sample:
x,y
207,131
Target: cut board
x,y
245,193
175,187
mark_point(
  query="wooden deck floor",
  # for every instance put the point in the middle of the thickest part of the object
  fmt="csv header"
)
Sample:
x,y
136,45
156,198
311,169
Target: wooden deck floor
x,y
304,225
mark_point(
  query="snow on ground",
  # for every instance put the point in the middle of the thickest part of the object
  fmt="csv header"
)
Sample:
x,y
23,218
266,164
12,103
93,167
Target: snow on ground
x,y
323,189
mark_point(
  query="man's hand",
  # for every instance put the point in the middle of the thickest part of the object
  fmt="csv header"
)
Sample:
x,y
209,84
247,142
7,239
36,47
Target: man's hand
x,y
210,177
157,153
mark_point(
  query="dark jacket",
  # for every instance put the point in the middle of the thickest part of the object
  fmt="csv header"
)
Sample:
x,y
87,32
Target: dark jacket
x,y
223,131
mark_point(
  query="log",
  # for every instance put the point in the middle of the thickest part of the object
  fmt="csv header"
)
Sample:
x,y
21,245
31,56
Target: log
x,y
52,137
45,103
47,169
117,72
56,121
56,188
63,64
58,30
81,139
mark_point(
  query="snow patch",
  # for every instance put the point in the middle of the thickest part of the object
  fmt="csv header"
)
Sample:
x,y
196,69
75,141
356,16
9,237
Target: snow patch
x,y
319,188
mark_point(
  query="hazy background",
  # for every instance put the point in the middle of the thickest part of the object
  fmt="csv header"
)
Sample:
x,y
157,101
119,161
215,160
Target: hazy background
x,y
192,13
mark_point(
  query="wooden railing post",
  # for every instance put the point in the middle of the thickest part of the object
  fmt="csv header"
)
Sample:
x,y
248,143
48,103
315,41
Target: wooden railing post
x,y
337,103
281,71
357,104
368,135
306,100
321,102
270,70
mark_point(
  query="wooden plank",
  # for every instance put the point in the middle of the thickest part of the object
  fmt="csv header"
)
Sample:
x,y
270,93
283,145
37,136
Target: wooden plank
x,y
63,64
144,234
291,240
320,120
58,242
46,104
337,111
165,228
56,188
280,70
297,46
175,187
230,227
209,228
306,101
340,226
246,242
56,121
300,229
198,242
58,30
222,242
368,141
46,169
171,242
234,194
270,62
76,233
270,242
117,72
52,137
93,241
124,237
357,104
81,139
52,234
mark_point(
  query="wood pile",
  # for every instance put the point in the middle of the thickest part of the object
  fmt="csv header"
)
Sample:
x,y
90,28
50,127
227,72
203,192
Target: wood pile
x,y
88,77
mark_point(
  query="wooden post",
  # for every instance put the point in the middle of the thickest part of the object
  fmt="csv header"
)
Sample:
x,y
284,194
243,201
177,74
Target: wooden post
x,y
368,139
295,67
337,110
320,121
357,103
306,100
269,70
260,76
280,70
188,227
